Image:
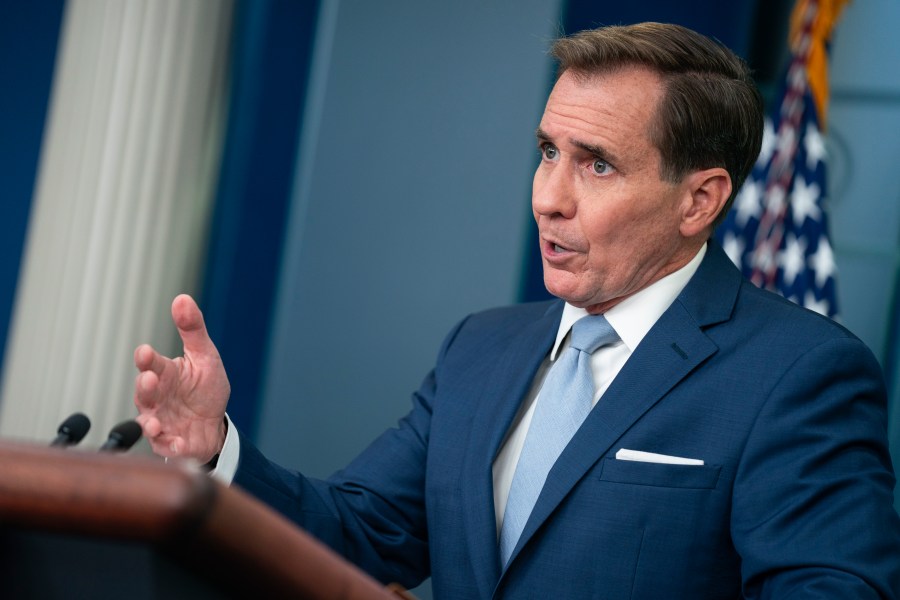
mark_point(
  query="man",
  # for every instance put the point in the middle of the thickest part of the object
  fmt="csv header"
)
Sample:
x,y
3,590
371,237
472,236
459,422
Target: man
x,y
730,443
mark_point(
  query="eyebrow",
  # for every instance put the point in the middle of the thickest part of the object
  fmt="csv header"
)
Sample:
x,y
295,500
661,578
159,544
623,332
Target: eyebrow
x,y
592,149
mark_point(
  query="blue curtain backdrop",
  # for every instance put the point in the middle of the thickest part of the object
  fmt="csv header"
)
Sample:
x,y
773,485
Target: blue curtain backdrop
x,y
29,34
272,41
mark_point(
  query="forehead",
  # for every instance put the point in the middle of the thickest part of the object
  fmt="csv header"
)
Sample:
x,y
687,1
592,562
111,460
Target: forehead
x,y
617,107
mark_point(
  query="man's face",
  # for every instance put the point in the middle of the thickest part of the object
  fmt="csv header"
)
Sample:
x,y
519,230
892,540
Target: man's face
x,y
609,225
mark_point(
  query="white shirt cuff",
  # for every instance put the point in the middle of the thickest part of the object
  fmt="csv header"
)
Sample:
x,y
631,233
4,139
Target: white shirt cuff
x,y
227,464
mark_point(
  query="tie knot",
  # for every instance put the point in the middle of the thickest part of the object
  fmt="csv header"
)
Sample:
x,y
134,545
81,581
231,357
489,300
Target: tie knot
x,y
591,332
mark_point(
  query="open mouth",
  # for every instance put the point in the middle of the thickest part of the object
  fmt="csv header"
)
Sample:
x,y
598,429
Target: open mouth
x,y
557,248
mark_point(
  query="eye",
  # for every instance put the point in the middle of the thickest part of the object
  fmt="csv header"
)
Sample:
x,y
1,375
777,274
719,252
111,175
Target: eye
x,y
549,151
601,167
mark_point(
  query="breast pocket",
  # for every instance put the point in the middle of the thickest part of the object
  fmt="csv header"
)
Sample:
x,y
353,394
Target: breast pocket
x,y
660,475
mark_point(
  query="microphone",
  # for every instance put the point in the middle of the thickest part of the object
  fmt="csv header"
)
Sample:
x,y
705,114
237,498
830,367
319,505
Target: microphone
x,y
122,437
72,430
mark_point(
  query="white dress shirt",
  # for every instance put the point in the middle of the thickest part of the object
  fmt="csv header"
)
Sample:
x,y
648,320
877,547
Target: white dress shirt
x,y
632,319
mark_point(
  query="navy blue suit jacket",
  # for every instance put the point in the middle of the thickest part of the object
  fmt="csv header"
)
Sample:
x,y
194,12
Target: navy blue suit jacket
x,y
785,408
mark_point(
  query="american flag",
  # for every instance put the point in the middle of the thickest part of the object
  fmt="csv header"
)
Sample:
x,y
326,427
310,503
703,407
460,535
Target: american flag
x,y
777,230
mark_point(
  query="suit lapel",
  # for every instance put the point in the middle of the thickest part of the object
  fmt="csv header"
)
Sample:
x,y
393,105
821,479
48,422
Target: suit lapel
x,y
673,347
500,400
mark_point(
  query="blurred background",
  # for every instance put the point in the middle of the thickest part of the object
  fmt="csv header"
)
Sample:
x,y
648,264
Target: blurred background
x,y
332,175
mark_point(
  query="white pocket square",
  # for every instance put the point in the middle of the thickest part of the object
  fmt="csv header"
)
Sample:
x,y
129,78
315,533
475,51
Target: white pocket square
x,y
652,457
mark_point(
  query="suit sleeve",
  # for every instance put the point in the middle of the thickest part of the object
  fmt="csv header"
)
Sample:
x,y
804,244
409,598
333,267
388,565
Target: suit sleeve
x,y
373,511
813,509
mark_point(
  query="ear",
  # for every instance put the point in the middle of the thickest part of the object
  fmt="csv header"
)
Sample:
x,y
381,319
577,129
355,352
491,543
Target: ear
x,y
707,192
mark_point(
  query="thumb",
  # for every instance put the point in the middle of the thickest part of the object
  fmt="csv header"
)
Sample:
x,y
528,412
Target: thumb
x,y
189,321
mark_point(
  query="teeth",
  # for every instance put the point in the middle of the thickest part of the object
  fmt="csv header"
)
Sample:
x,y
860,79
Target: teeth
x,y
558,248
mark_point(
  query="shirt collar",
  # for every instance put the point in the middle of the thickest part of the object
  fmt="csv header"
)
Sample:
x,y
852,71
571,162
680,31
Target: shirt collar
x,y
633,317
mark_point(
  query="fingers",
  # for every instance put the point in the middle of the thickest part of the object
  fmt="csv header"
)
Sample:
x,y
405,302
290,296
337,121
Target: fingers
x,y
189,321
162,444
146,385
150,425
148,359
166,447
176,447
181,400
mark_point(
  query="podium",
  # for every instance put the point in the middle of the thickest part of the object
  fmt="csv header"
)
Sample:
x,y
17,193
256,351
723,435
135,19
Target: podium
x,y
87,525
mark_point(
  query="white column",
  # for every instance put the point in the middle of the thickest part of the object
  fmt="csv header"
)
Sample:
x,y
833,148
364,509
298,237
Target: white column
x,y
122,202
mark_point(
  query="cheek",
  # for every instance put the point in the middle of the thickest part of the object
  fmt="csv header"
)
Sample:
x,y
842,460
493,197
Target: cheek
x,y
605,229
623,234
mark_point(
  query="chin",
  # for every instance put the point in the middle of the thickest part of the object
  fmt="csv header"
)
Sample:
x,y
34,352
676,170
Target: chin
x,y
564,293
571,293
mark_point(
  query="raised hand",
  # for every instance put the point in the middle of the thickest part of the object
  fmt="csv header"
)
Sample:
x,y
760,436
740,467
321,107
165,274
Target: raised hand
x,y
181,401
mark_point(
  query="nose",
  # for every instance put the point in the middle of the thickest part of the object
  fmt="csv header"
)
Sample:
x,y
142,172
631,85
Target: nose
x,y
552,192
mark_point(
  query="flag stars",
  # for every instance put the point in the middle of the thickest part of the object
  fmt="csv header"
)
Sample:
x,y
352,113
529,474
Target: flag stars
x,y
804,201
734,248
822,262
748,202
820,306
764,258
814,144
775,200
792,259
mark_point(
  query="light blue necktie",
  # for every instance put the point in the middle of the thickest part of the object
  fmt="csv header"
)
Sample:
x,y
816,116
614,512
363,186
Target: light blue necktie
x,y
564,401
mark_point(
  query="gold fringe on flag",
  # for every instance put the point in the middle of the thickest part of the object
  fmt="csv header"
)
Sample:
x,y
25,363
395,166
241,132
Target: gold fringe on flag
x,y
812,22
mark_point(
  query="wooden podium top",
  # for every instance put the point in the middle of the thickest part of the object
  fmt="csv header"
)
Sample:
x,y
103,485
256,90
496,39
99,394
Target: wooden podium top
x,y
217,531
